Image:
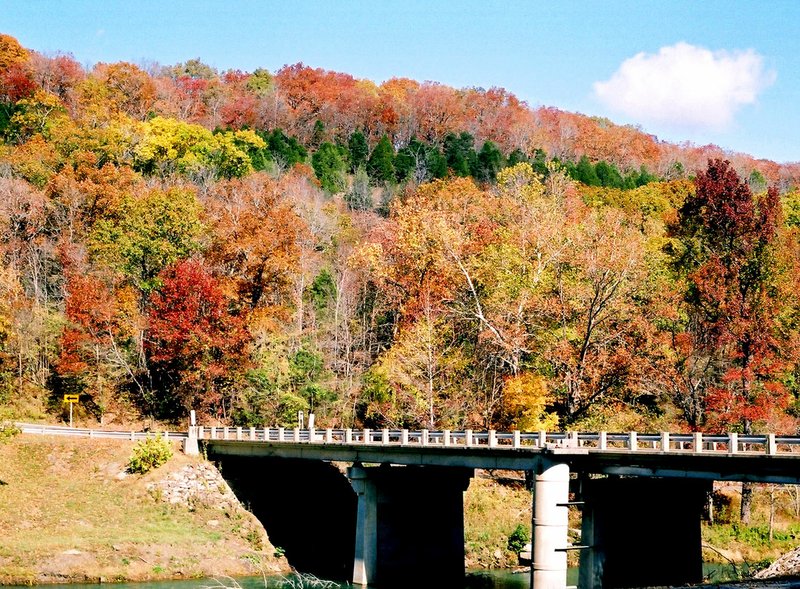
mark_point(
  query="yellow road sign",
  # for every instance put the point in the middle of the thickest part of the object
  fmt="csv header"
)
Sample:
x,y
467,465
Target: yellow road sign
x,y
71,398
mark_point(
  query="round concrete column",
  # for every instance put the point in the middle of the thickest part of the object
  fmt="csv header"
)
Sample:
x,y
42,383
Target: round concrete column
x,y
550,523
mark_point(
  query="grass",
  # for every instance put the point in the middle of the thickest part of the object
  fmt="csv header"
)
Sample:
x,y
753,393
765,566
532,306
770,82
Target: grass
x,y
492,511
751,545
69,513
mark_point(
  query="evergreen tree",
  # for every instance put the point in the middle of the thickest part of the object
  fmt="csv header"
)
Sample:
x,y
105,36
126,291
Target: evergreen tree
x,y
609,175
359,150
460,153
329,167
490,161
319,133
584,172
436,163
283,150
381,161
517,157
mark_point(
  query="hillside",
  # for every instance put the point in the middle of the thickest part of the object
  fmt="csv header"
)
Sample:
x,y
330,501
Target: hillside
x,y
252,245
70,513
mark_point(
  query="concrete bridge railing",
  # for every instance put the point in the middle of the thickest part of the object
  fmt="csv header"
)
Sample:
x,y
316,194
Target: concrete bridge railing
x,y
663,442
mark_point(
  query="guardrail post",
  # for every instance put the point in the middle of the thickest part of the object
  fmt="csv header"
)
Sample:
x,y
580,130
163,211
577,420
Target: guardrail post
x,y
266,434
312,434
252,433
468,438
542,441
633,443
281,434
772,447
133,436
517,439
733,443
698,441
385,436
665,441
213,432
348,436
366,436
296,434
446,437
328,435
225,433
602,441
404,437
492,438
425,437
238,433
574,442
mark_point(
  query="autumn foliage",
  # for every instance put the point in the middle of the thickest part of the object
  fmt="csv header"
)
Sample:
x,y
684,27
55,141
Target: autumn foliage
x,y
253,244
195,343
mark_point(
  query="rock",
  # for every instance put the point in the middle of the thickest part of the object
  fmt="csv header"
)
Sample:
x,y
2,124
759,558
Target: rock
x,y
72,552
786,565
213,523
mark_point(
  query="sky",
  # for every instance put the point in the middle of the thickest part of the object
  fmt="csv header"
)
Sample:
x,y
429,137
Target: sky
x,y
703,71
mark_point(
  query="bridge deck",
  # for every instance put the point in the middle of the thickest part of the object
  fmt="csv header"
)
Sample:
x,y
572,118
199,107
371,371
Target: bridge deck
x,y
759,458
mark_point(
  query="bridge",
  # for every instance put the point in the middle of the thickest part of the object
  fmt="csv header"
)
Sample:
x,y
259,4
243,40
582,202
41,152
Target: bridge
x,y
409,487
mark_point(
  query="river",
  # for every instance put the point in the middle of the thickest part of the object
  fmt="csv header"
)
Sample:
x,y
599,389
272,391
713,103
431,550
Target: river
x,y
496,579
501,579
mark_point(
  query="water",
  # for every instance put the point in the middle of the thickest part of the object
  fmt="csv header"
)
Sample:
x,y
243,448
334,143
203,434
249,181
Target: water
x,y
493,579
501,579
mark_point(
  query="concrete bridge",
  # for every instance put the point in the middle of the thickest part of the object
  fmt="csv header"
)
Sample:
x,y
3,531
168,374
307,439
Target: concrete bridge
x,y
409,487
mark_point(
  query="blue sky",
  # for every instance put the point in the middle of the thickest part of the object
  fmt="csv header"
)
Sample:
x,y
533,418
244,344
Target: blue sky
x,y
723,72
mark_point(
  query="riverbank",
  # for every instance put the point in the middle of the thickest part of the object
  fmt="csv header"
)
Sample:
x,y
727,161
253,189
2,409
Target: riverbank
x,y
70,513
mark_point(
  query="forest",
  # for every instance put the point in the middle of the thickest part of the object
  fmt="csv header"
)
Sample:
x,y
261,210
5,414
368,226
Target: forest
x,y
405,254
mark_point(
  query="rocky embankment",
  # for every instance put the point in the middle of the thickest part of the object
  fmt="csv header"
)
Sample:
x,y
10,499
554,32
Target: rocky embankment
x,y
787,565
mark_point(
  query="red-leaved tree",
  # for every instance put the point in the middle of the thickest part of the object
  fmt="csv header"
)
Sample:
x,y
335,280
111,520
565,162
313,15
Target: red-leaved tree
x,y
196,346
733,296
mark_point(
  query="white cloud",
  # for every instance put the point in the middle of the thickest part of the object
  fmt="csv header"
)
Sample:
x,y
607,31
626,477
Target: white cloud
x,y
686,86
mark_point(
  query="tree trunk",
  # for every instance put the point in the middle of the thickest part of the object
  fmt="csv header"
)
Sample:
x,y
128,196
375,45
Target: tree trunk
x,y
711,507
771,511
747,501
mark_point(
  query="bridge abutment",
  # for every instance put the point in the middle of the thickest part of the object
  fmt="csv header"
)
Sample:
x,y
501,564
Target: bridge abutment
x,y
410,522
641,532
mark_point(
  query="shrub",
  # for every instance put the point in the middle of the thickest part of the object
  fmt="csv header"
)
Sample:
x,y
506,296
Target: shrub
x,y
7,431
518,538
148,454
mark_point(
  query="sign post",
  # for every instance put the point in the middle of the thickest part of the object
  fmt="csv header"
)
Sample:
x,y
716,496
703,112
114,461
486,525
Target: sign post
x,y
71,399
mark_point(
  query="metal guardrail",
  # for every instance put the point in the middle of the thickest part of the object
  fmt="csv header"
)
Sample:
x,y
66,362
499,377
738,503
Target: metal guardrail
x,y
57,430
662,442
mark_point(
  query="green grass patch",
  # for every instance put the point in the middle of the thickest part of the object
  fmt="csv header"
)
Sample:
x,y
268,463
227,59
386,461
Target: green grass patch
x,y
69,505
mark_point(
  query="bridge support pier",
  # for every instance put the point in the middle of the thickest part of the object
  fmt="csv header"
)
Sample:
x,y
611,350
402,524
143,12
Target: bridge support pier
x,y
550,527
641,532
409,519
366,545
